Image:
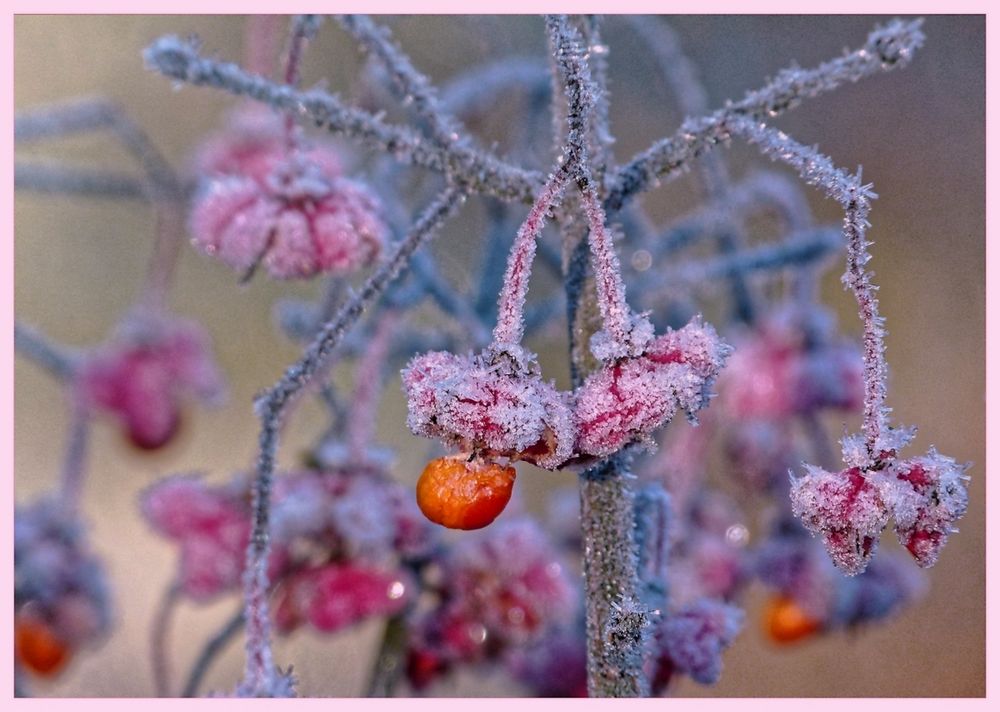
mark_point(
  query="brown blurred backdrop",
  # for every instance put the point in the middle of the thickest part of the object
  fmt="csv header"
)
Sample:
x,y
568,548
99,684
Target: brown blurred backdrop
x,y
919,133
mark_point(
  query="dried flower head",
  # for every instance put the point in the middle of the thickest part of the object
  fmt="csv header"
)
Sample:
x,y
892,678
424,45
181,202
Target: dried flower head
x,y
298,222
629,398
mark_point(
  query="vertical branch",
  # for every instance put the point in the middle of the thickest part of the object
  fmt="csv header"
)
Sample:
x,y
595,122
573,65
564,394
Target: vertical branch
x,y
213,647
389,665
158,638
614,640
614,666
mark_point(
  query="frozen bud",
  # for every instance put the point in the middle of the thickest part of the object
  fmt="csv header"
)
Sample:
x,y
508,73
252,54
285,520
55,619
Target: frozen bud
x,y
790,364
940,486
252,144
298,223
888,585
692,639
846,508
61,598
212,527
510,579
141,376
334,596
494,403
630,398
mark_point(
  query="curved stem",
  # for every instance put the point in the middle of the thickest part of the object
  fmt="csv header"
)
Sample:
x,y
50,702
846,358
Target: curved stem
x,y
158,640
213,647
510,309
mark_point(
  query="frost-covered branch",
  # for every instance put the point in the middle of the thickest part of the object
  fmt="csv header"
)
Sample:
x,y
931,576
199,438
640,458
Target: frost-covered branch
x,y
479,171
70,180
413,85
887,48
848,190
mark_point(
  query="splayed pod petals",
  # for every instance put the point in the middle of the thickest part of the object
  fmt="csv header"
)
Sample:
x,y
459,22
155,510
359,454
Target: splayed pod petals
x,y
629,398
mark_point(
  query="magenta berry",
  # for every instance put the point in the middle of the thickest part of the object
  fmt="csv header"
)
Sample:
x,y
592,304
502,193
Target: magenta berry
x,y
331,597
940,483
141,376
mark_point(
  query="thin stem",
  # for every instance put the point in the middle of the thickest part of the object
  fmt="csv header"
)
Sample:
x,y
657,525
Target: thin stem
x,y
59,179
818,170
482,88
215,645
75,460
159,635
271,409
479,171
887,48
261,39
799,250
303,29
59,361
164,188
368,377
413,85
566,47
389,661
510,309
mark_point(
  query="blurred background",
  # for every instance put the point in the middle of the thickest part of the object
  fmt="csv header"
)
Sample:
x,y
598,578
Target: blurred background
x,y
919,133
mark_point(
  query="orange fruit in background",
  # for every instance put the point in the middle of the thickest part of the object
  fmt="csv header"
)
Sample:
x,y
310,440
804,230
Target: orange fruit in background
x,y
459,494
37,647
786,622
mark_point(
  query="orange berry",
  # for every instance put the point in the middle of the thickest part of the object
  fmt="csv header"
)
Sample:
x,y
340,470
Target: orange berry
x,y
786,622
37,647
459,494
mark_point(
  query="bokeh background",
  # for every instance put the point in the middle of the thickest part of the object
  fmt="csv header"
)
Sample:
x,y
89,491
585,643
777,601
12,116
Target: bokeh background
x,y
919,132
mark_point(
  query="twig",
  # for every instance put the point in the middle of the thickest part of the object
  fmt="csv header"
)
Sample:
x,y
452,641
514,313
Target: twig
x,y
70,180
480,172
887,48
413,85
271,408
159,634
816,169
389,661
207,656
59,361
